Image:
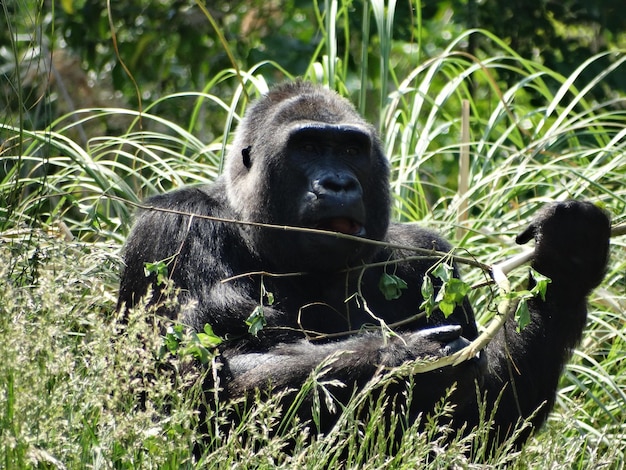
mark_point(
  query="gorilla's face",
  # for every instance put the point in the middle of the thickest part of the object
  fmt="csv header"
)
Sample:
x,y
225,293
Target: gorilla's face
x,y
331,161
312,163
327,166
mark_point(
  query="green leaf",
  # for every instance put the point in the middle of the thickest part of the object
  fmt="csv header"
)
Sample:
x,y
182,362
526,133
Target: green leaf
x,y
197,350
172,340
522,315
428,294
269,297
209,339
391,286
159,268
446,308
443,271
451,294
256,321
541,285
197,345
455,290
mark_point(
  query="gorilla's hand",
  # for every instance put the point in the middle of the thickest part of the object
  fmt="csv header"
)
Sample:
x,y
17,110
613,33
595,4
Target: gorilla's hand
x,y
571,244
432,342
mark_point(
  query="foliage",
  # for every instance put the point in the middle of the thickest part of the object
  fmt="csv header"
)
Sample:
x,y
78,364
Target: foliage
x,y
81,387
391,286
133,54
451,293
561,35
522,314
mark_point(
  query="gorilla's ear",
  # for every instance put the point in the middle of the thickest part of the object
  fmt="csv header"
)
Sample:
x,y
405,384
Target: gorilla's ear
x,y
245,153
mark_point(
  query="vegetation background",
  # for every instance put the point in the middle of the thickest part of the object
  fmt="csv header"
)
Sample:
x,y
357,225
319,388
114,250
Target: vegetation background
x,y
104,103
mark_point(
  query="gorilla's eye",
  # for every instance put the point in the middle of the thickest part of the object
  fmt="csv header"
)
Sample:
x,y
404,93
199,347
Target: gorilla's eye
x,y
309,147
351,151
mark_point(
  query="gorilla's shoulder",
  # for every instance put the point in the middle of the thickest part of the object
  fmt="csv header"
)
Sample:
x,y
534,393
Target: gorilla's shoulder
x,y
207,199
413,235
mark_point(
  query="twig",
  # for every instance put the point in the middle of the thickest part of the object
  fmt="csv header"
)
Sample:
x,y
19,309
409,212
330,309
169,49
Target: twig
x,y
516,261
424,251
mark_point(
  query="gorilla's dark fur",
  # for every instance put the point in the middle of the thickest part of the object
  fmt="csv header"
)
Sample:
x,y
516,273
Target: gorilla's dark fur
x,y
304,157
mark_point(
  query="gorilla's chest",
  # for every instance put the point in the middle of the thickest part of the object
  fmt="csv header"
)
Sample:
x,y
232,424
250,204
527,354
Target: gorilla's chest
x,y
338,303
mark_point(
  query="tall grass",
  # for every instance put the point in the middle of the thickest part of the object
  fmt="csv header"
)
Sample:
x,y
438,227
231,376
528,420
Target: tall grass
x,y
71,372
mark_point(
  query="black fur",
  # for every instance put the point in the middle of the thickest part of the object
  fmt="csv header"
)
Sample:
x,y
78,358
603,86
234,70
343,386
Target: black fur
x,y
304,157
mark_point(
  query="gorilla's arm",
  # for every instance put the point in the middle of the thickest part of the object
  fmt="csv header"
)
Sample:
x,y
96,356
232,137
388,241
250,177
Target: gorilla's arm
x,y
352,361
571,248
194,250
348,365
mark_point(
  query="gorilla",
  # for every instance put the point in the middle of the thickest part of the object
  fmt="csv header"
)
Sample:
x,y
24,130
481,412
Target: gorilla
x,y
299,224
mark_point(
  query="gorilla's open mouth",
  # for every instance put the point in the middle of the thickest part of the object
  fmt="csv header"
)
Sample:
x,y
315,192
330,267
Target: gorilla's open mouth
x,y
341,225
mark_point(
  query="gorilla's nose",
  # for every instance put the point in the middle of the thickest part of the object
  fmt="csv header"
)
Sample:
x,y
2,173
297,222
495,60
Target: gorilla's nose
x,y
334,184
